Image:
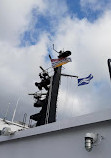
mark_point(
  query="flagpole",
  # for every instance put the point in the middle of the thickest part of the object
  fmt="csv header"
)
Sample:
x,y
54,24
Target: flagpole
x,y
69,75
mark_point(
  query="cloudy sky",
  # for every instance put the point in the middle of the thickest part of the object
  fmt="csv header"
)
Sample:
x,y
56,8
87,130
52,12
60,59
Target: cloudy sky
x,y
28,28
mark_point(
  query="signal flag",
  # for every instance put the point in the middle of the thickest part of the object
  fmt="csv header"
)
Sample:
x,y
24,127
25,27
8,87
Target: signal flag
x,y
60,62
84,81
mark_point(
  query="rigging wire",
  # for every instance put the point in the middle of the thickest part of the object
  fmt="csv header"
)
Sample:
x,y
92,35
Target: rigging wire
x,y
73,100
65,100
68,101
48,107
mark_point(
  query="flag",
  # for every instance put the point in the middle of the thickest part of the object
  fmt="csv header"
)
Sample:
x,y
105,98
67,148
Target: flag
x,y
59,62
84,81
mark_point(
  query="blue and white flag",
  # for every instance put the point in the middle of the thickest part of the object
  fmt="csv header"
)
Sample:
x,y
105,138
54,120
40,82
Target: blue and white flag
x,y
84,81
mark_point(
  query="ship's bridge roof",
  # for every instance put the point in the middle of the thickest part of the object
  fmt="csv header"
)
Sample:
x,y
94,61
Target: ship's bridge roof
x,y
62,125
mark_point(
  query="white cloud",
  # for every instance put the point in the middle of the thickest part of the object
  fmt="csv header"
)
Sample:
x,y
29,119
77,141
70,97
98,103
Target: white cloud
x,y
15,16
19,67
88,42
90,46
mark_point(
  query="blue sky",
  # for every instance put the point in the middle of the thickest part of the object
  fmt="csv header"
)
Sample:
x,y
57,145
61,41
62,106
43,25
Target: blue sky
x,y
48,22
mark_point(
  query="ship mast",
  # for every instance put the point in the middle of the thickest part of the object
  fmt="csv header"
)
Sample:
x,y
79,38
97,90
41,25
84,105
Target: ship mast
x,y
51,84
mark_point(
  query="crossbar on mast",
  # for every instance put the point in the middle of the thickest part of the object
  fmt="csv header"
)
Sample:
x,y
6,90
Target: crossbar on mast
x,y
69,75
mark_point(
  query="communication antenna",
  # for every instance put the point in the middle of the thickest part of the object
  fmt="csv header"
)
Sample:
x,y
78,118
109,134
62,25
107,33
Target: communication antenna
x,y
42,69
24,118
54,49
15,109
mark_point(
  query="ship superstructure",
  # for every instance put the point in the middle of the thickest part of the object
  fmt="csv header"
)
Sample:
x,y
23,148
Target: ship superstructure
x,y
86,136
